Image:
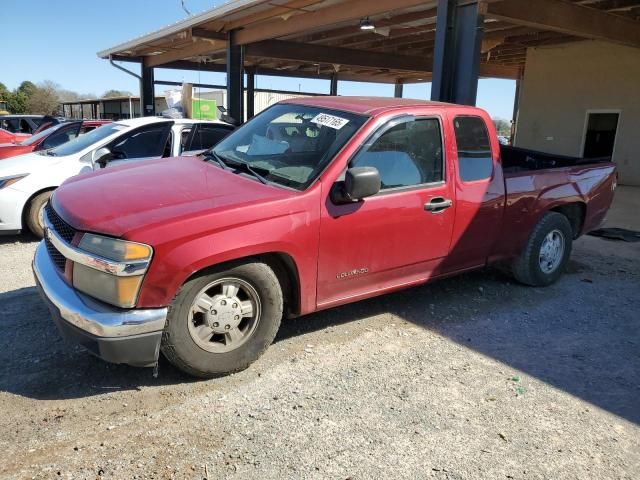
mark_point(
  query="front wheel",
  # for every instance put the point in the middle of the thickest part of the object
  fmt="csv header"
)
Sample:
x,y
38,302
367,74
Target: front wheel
x,y
222,322
546,253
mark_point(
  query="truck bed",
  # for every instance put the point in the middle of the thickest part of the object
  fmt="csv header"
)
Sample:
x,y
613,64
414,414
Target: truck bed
x,y
515,159
537,182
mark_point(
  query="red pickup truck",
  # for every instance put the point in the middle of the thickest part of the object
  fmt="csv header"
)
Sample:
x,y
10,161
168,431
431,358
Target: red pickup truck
x,y
316,202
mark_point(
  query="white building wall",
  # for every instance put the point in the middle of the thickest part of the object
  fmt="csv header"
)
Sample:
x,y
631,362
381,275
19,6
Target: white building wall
x,y
561,83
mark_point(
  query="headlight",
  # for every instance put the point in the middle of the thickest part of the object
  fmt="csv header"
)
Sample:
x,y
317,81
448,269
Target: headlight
x,y
5,182
119,290
114,249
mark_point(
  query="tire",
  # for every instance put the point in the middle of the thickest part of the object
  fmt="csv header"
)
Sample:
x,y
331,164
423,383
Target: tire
x,y
534,267
33,216
194,339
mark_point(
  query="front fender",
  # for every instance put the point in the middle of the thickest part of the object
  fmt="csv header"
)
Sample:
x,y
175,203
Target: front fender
x,y
294,234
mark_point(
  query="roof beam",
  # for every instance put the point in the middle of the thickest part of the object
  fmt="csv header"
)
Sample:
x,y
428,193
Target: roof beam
x,y
196,48
568,18
352,10
208,34
294,51
305,52
280,10
354,31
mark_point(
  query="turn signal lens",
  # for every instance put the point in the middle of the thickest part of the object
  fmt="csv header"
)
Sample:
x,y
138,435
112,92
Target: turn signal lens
x,y
136,251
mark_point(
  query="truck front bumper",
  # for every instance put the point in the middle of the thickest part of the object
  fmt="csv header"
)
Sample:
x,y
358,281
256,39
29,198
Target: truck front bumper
x,y
113,334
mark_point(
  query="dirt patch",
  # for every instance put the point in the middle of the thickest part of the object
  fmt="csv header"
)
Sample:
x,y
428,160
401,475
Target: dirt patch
x,y
471,377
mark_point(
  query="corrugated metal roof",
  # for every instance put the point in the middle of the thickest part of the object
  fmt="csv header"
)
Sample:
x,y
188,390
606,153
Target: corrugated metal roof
x,y
192,21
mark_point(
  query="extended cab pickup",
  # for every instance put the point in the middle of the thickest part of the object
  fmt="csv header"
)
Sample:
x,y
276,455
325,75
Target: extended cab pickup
x,y
314,203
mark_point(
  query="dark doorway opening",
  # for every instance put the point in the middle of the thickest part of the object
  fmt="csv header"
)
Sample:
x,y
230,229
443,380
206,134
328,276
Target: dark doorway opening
x,y
600,136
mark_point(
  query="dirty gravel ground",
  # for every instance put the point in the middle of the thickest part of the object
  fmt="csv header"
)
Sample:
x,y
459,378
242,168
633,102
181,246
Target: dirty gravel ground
x,y
471,377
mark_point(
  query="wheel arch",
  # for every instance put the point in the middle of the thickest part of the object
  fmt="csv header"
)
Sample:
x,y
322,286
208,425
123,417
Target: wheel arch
x,y
283,265
575,212
27,204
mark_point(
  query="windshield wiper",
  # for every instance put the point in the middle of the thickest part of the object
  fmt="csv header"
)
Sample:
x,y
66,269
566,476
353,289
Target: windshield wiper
x,y
229,164
211,155
50,153
240,165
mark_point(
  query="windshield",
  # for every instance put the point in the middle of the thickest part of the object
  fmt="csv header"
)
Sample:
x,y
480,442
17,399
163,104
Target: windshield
x,y
83,141
44,133
290,144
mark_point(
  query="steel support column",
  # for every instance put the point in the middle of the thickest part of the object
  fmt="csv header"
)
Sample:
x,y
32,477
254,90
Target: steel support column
x,y
251,99
398,90
235,78
456,56
147,92
333,88
516,109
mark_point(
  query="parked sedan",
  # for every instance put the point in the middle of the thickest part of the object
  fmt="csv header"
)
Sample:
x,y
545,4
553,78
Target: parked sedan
x,y
26,123
49,138
26,181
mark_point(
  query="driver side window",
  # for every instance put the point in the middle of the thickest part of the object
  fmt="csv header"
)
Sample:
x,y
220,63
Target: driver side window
x,y
144,142
405,155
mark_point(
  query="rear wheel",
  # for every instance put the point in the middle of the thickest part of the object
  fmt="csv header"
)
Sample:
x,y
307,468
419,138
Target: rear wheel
x,y
546,253
35,214
222,322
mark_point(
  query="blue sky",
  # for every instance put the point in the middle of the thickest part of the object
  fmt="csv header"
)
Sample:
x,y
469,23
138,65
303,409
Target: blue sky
x,y
58,41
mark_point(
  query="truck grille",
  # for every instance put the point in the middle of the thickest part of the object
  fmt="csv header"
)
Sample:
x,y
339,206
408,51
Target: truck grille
x,y
64,230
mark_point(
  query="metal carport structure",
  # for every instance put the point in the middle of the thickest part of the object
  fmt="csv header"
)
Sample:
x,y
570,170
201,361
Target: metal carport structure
x,y
448,42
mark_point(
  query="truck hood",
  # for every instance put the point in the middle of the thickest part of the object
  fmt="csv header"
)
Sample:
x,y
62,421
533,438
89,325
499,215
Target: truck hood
x,y
122,200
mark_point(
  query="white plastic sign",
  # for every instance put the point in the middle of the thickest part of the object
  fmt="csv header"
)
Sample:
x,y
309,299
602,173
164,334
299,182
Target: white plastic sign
x,y
331,121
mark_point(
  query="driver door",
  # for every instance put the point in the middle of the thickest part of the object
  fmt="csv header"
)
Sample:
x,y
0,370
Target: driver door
x,y
399,236
145,143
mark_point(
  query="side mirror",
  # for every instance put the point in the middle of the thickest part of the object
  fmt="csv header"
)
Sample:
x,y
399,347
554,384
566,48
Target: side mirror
x,y
230,120
102,156
359,183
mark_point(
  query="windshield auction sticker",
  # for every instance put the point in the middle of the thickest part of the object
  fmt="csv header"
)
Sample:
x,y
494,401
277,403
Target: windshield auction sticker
x,y
331,121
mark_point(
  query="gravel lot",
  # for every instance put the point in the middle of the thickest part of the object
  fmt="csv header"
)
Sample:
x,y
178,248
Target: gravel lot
x,y
471,377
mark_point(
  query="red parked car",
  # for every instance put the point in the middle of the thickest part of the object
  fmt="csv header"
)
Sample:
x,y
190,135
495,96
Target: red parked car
x,y
49,138
9,137
315,202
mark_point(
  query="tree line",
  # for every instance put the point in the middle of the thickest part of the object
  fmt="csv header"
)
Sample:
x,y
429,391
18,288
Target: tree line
x,y
45,97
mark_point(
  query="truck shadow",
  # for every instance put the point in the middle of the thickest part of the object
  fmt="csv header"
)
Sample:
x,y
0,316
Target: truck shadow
x,y
589,353
574,335
21,238
36,362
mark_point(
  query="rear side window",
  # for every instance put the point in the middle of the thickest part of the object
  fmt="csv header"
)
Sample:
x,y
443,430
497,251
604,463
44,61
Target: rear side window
x,y
407,154
143,143
474,150
207,136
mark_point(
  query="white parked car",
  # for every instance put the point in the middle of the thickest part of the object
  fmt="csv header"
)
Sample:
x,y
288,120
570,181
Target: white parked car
x,y
26,181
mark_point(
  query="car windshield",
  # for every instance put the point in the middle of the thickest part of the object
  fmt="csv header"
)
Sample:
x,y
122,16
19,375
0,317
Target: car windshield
x,y
83,141
289,144
44,133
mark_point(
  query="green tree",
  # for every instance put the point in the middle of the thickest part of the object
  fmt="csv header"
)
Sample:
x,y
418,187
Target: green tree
x,y
503,127
27,88
17,102
117,93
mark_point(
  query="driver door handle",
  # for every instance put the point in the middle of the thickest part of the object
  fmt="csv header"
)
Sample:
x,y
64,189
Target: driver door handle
x,y
438,204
